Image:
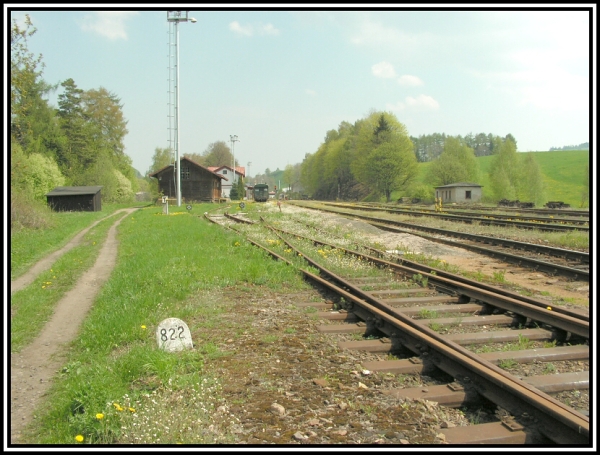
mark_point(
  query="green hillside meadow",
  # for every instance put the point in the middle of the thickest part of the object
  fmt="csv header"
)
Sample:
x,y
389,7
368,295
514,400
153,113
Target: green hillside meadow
x,y
563,174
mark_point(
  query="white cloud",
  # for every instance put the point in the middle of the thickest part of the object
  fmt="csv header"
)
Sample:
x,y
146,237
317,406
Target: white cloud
x,y
108,23
251,30
421,102
269,29
409,81
383,69
237,28
310,92
376,34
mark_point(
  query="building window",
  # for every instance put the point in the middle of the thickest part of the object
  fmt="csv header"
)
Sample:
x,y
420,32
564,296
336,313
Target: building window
x,y
185,173
467,195
224,171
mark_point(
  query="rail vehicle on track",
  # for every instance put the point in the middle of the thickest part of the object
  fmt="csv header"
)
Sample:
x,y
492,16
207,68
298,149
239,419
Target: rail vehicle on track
x,y
261,192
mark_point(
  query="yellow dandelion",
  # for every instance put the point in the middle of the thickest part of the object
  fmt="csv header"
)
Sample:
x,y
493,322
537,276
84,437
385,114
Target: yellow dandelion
x,y
131,410
144,327
99,416
43,287
79,438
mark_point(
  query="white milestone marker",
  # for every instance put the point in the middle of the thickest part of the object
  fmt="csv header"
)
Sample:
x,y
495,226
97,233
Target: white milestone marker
x,y
173,335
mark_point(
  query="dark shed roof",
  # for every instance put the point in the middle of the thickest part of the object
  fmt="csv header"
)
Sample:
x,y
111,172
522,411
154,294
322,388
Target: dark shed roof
x,y
155,174
74,190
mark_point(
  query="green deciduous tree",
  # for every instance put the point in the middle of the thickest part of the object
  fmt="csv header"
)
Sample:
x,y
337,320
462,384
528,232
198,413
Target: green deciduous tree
x,y
115,186
104,111
504,172
531,187
95,128
383,157
391,166
196,158
162,157
33,123
41,174
218,154
457,163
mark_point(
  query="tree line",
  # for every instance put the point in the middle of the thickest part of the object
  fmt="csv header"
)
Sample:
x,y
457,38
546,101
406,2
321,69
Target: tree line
x,y
582,146
429,147
375,157
78,143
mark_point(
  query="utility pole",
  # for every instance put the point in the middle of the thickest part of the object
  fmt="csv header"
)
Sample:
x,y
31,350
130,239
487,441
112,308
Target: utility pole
x,y
249,163
233,140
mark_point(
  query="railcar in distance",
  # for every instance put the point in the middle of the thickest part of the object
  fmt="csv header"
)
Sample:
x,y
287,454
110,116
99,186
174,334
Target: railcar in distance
x,y
261,192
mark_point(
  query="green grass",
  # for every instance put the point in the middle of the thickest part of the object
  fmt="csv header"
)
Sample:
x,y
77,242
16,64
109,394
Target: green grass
x,y
166,268
33,306
27,246
563,173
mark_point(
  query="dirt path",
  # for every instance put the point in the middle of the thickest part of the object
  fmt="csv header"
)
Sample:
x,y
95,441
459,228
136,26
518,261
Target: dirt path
x,y
44,264
32,369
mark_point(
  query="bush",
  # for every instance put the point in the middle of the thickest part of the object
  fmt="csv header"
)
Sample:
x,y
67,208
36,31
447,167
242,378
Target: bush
x,y
27,212
34,174
422,192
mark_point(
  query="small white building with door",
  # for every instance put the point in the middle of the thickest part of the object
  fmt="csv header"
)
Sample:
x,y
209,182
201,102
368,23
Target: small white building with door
x,y
459,192
228,173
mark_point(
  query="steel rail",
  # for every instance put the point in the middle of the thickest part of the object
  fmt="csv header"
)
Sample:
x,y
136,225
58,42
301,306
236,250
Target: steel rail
x,y
582,329
469,220
450,210
535,264
544,211
548,267
556,421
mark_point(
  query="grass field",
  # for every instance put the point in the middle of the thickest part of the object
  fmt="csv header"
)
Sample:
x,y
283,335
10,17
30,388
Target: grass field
x,y
168,266
563,173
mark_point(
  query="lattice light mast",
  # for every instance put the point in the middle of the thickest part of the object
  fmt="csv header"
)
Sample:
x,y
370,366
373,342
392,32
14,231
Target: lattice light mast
x,y
174,18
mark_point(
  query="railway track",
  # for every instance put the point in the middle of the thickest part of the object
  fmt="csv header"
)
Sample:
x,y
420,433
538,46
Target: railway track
x,y
539,215
428,319
553,261
541,211
543,224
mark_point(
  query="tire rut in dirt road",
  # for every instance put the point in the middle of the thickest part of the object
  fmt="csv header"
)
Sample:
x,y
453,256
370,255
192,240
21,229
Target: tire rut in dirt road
x,y
44,264
32,369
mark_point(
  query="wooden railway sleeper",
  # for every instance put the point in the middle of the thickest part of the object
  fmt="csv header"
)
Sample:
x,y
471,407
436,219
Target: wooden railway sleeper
x,y
567,425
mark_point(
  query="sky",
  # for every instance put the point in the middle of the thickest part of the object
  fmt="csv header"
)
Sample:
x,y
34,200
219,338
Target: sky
x,y
279,78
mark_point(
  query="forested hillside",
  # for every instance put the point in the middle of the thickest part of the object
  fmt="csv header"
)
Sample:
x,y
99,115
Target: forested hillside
x,y
79,142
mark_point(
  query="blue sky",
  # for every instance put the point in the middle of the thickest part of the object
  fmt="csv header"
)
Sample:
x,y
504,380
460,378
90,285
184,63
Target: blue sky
x,y
279,80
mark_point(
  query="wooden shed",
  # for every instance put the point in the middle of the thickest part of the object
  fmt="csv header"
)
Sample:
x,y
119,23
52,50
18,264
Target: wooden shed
x,y
459,192
75,199
197,182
